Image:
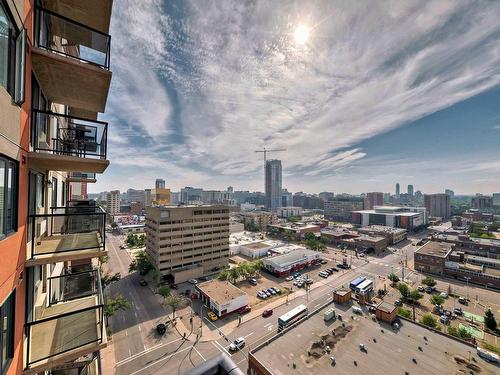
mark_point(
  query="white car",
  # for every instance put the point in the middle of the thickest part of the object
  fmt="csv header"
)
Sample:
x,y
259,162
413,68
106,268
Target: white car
x,y
289,278
193,281
444,294
237,344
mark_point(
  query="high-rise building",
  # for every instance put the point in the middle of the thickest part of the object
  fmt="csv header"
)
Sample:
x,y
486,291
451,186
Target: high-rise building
x,y
438,205
273,184
190,194
340,208
148,198
113,202
160,183
482,202
134,195
160,197
374,199
54,80
187,241
410,190
286,198
450,193
496,199
397,189
326,195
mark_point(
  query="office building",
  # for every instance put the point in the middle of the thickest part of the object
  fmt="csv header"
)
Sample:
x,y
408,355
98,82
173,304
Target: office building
x,y
51,146
482,202
273,184
289,211
373,199
393,235
308,201
286,198
397,189
496,199
190,194
113,202
340,208
134,195
326,196
185,242
409,218
450,193
410,190
159,183
160,197
148,198
438,205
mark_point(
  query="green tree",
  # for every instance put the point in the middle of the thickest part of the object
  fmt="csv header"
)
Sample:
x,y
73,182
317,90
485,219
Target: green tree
x,y
258,265
415,295
436,299
234,274
429,281
108,279
132,266
112,305
489,320
393,278
309,236
142,263
244,269
153,276
223,275
404,312
459,332
429,320
404,290
164,291
173,301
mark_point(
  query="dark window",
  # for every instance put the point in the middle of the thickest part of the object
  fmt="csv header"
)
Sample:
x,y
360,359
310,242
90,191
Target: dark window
x,y
8,196
63,193
53,200
12,55
7,332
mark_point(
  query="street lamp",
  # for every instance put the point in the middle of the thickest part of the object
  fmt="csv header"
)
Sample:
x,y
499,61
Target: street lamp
x,y
467,278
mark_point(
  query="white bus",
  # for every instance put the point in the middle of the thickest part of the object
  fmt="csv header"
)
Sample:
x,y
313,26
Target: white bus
x,y
291,317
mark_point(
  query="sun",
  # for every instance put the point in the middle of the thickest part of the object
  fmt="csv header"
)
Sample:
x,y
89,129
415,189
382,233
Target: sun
x,y
302,34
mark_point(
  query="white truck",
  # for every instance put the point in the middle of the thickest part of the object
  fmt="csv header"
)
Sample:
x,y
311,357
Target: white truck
x,y
489,356
329,314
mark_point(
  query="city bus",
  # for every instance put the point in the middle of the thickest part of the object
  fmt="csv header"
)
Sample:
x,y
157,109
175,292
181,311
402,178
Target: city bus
x,y
291,317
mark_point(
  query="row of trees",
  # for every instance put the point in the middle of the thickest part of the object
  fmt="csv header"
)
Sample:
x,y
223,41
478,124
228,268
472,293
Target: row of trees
x,y
243,270
314,243
135,240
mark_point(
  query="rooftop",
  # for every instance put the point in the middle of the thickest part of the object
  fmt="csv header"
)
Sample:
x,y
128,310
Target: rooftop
x,y
386,307
342,292
382,228
435,248
221,292
291,257
393,352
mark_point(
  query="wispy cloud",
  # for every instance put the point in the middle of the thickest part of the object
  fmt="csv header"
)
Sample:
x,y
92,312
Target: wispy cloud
x,y
229,77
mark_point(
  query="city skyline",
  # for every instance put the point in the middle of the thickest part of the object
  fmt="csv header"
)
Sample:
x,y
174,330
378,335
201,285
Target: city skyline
x,y
417,107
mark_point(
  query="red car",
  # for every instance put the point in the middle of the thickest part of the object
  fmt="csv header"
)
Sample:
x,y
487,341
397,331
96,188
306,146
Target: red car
x,y
267,312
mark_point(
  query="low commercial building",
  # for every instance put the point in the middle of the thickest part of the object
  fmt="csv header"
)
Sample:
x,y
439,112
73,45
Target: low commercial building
x,y
289,211
393,235
409,218
342,296
284,265
489,248
222,297
351,239
386,312
258,220
298,230
431,257
251,244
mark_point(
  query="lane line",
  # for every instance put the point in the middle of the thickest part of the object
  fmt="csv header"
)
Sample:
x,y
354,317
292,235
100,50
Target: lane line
x,y
196,350
220,346
161,359
267,325
250,334
144,352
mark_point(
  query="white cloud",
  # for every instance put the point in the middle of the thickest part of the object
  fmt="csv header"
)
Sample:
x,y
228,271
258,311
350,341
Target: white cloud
x,y
242,83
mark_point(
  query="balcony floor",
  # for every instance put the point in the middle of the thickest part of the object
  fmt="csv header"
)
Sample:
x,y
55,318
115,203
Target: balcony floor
x,y
54,162
58,248
70,333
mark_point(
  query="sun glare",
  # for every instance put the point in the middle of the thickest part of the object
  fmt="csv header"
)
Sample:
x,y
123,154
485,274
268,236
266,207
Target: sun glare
x,y
301,34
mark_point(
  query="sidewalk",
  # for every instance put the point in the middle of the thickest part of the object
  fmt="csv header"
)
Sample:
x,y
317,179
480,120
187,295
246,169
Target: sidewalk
x,y
108,358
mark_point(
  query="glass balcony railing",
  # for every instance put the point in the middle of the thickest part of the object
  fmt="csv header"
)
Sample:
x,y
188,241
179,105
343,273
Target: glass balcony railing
x,y
61,35
70,322
67,230
81,177
71,136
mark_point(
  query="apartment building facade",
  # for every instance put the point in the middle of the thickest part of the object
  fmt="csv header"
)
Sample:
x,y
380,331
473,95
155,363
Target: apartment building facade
x,y
438,205
340,208
273,184
54,79
185,242
113,202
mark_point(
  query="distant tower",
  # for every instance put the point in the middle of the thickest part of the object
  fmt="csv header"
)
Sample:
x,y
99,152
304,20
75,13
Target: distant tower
x,y
160,183
397,189
230,189
410,190
273,184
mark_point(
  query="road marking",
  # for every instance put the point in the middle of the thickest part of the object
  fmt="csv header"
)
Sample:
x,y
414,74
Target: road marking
x,y
140,329
267,325
196,350
144,352
219,346
270,328
161,359
250,334
317,305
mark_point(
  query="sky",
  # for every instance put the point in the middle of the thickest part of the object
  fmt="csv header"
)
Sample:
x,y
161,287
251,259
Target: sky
x,y
360,94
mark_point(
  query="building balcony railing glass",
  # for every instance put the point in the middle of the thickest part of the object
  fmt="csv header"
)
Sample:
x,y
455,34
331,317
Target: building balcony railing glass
x,y
66,233
61,35
69,136
81,177
69,323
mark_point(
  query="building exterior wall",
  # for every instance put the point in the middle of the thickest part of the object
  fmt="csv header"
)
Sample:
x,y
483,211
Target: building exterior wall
x,y
341,208
438,205
181,237
273,184
113,202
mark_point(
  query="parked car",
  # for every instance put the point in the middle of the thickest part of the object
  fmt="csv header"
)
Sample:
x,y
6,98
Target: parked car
x,y
420,288
447,313
444,319
267,293
444,294
438,309
261,294
289,278
458,311
334,269
462,300
161,328
296,274
398,302
309,281
429,289
143,282
323,274
272,291
277,290
253,281
193,281
323,261
244,310
123,247
267,312
212,316
237,344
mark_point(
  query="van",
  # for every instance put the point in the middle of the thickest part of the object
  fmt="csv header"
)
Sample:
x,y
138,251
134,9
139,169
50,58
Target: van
x,y
357,310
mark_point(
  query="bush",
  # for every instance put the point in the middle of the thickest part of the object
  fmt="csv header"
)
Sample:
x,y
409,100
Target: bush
x,y
394,278
436,299
429,281
489,320
404,312
461,333
429,321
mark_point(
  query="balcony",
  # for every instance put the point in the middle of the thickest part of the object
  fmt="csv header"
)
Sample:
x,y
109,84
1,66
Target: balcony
x,y
81,177
71,61
68,323
65,143
67,233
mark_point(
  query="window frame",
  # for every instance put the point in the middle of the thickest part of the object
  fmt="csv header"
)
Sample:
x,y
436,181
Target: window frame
x,y
8,228
11,300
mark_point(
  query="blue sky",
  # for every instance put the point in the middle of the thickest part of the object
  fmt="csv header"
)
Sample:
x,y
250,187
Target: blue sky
x,y
361,94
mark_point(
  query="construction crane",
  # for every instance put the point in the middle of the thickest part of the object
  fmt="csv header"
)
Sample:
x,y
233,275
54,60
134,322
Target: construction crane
x,y
265,151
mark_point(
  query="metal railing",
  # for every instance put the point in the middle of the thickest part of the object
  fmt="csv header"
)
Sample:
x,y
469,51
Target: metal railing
x,y
66,135
67,229
82,325
67,37
82,176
